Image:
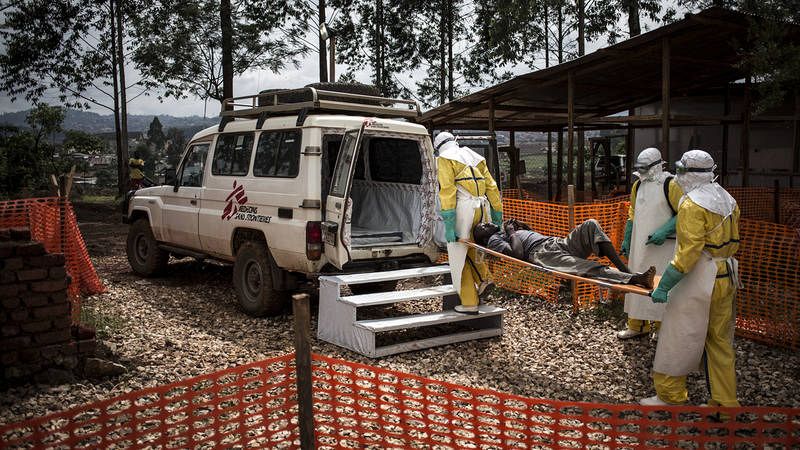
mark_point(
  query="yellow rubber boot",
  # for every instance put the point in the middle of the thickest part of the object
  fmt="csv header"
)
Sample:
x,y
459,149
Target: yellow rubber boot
x,y
671,389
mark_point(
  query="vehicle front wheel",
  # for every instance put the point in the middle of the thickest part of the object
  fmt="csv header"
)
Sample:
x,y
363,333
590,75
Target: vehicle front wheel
x,y
252,279
144,256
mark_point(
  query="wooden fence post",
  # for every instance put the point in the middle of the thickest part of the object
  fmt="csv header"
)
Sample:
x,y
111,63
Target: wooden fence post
x,y
571,216
302,358
777,201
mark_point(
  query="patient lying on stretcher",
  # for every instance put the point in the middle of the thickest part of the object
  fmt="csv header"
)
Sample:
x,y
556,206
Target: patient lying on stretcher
x,y
566,255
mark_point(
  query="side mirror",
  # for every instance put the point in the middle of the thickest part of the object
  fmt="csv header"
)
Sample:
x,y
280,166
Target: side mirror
x,y
169,176
521,169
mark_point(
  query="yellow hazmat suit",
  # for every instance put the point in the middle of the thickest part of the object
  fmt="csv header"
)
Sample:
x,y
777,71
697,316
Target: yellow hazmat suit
x,y
468,196
699,286
701,231
136,165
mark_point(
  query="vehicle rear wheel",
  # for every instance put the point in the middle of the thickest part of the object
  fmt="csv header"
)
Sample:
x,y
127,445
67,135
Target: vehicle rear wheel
x,y
252,279
370,288
144,256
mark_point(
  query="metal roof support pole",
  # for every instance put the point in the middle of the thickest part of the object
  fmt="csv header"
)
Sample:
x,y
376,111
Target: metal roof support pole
x,y
745,150
665,97
630,140
724,163
570,124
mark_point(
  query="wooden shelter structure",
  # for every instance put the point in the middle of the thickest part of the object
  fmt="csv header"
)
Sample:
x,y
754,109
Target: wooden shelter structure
x,y
602,90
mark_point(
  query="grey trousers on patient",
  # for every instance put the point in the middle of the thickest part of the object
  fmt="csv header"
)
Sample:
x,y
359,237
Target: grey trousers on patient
x,y
568,254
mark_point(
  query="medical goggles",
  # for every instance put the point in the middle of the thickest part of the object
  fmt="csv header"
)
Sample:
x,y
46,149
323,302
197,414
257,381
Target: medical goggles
x,y
649,166
452,139
680,167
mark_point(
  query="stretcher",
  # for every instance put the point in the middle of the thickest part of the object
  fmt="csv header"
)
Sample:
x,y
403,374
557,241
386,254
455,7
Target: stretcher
x,y
626,288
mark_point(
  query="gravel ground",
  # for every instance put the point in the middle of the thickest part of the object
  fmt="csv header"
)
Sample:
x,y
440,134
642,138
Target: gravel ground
x,y
188,324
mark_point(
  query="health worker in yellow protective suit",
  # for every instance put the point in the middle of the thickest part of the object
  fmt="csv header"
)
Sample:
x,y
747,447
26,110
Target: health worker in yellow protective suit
x,y
649,236
136,172
468,195
699,286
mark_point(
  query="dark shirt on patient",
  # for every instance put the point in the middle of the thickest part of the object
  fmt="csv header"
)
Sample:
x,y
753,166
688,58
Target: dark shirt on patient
x,y
530,240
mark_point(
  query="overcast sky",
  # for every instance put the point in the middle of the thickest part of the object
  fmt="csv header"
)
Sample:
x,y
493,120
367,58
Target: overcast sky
x,y
254,81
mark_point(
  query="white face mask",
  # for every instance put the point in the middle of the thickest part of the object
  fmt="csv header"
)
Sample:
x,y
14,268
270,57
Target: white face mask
x,y
690,181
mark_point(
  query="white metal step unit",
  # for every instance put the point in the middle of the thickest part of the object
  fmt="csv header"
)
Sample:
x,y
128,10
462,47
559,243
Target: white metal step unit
x,y
338,321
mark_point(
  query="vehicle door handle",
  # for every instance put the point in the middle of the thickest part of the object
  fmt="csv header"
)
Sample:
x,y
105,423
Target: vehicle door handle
x,y
193,201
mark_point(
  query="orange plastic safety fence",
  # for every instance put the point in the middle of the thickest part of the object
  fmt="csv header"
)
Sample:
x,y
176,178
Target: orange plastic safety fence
x,y
768,304
361,406
760,203
552,219
250,406
52,222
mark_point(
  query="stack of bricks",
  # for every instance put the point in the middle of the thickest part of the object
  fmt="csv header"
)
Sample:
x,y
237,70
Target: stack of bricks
x,y
36,331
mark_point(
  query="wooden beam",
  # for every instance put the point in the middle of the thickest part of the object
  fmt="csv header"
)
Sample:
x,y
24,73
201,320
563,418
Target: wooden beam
x,y
629,153
745,149
665,98
570,124
726,109
796,137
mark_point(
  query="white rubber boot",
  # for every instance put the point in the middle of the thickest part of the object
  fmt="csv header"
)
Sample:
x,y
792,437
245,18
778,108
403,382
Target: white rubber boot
x,y
630,334
467,309
653,401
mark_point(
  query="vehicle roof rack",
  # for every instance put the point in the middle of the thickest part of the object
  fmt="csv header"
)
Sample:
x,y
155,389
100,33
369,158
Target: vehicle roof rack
x,y
294,101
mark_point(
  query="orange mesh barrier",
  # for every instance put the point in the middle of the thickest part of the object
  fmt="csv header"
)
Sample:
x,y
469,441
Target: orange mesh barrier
x,y
361,406
552,219
754,202
768,305
251,406
52,222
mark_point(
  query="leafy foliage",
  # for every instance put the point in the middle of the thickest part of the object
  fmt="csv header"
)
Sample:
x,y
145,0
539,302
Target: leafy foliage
x,y
180,42
155,134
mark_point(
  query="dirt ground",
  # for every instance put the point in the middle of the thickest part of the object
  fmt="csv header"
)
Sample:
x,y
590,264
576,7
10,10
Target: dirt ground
x,y
188,323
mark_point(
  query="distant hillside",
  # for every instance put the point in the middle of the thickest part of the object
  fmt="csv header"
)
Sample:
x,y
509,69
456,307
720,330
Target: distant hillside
x,y
91,122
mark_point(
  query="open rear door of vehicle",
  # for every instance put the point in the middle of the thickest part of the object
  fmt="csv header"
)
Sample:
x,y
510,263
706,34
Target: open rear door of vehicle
x,y
338,207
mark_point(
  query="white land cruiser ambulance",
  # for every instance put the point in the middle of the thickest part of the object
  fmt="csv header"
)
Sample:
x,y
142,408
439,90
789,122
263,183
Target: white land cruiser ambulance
x,y
292,184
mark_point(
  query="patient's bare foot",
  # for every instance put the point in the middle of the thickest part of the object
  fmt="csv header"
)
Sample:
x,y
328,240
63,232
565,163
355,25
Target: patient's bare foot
x,y
644,279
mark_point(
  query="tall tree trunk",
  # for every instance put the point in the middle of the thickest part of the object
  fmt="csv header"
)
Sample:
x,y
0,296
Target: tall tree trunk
x,y
123,97
634,28
450,14
226,28
323,54
549,134
378,44
122,163
560,150
442,51
580,179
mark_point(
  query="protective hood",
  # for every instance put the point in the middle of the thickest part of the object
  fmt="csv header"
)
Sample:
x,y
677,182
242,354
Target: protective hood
x,y
653,174
465,155
714,198
690,181
649,165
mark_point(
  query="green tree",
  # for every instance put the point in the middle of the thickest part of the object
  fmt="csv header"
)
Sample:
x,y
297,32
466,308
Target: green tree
x,y
176,142
181,43
155,134
73,51
45,121
770,55
82,142
19,166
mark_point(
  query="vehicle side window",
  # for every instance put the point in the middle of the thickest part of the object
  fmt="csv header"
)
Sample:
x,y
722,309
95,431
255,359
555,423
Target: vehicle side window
x,y
278,154
232,154
193,166
395,160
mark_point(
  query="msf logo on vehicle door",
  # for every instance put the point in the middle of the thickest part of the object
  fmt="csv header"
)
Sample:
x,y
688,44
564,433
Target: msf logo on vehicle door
x,y
236,207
